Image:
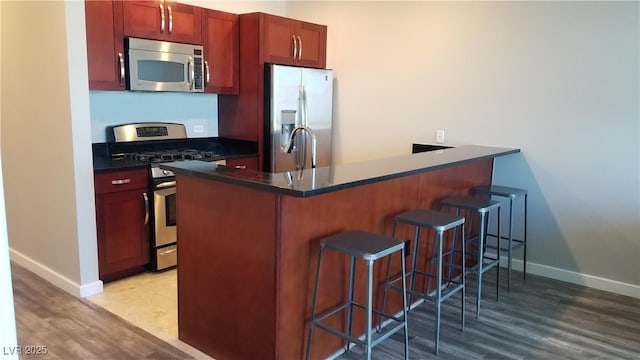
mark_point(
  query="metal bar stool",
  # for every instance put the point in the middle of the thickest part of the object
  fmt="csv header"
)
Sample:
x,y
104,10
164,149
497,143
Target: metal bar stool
x,y
368,247
438,222
484,262
512,194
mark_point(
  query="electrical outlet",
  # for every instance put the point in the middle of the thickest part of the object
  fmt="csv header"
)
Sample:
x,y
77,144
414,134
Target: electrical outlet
x,y
198,129
439,136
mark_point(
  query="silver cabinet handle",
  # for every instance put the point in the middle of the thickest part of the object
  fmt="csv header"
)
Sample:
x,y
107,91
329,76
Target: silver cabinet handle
x,y
161,18
121,61
120,181
299,48
166,184
146,208
295,47
240,166
170,20
206,66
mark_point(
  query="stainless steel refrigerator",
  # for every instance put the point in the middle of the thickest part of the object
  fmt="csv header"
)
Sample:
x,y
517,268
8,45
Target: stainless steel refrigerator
x,y
297,97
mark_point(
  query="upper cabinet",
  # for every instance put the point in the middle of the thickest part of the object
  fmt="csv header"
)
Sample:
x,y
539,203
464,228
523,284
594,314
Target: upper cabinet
x,y
163,20
105,48
292,42
220,37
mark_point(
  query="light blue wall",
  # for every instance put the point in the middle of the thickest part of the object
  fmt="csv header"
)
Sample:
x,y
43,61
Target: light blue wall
x,y
119,107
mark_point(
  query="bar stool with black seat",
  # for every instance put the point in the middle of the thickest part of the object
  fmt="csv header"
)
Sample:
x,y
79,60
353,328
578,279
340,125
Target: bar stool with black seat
x,y
446,285
512,243
368,247
484,262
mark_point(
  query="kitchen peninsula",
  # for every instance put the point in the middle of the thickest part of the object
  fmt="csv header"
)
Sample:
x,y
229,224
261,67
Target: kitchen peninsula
x,y
248,242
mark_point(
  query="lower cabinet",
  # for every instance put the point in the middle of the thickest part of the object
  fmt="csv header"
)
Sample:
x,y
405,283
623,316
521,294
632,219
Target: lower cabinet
x,y
243,163
122,221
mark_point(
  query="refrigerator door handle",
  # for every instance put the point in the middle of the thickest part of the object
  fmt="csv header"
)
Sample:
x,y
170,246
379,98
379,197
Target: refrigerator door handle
x,y
303,110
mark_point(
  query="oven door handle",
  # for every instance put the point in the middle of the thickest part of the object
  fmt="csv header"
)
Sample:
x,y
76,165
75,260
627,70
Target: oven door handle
x,y
146,207
166,184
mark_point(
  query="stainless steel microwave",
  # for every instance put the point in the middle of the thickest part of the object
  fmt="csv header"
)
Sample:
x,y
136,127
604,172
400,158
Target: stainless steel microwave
x,y
164,66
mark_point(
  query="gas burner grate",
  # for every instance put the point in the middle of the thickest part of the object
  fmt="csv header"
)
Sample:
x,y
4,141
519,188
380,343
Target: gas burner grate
x,y
170,155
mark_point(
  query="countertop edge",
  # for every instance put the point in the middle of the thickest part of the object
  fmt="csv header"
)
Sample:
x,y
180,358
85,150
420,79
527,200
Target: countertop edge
x,y
236,177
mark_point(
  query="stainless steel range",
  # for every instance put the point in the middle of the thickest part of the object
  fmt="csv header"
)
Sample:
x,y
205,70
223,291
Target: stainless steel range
x,y
157,143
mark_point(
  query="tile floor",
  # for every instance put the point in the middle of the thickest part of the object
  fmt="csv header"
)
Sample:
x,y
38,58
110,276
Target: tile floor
x,y
149,301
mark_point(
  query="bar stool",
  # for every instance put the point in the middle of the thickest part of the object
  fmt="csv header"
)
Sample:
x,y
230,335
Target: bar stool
x,y
438,222
483,262
368,247
512,194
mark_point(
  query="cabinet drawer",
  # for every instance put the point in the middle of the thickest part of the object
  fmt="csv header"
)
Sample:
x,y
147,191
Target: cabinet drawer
x,y
243,163
121,180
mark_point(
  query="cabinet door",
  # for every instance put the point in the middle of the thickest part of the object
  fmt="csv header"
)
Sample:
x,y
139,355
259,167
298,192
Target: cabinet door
x,y
312,45
105,47
243,163
163,20
220,39
123,235
278,40
184,24
144,19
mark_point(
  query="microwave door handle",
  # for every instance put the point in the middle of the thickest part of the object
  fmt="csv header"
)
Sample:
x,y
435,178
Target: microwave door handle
x,y
190,74
161,18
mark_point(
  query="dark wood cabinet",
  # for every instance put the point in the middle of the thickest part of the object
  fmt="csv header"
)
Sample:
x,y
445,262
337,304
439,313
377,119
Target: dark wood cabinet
x,y
244,163
293,42
220,37
122,221
264,39
105,48
163,20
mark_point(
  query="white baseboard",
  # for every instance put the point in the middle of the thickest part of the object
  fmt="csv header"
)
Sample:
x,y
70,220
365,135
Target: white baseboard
x,y
573,277
55,278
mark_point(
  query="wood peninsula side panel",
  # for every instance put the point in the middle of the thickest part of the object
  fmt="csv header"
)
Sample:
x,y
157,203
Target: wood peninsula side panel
x,y
226,268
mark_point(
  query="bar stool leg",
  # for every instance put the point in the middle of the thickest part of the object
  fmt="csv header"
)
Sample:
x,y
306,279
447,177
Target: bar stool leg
x,y
352,277
498,266
510,247
414,260
524,258
313,306
463,274
404,307
369,306
438,288
480,262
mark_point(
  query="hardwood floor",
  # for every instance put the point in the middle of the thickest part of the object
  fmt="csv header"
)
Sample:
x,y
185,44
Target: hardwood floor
x,y
539,319
77,329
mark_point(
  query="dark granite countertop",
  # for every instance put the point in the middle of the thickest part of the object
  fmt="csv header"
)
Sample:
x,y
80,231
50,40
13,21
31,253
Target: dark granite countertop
x,y
326,179
224,149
